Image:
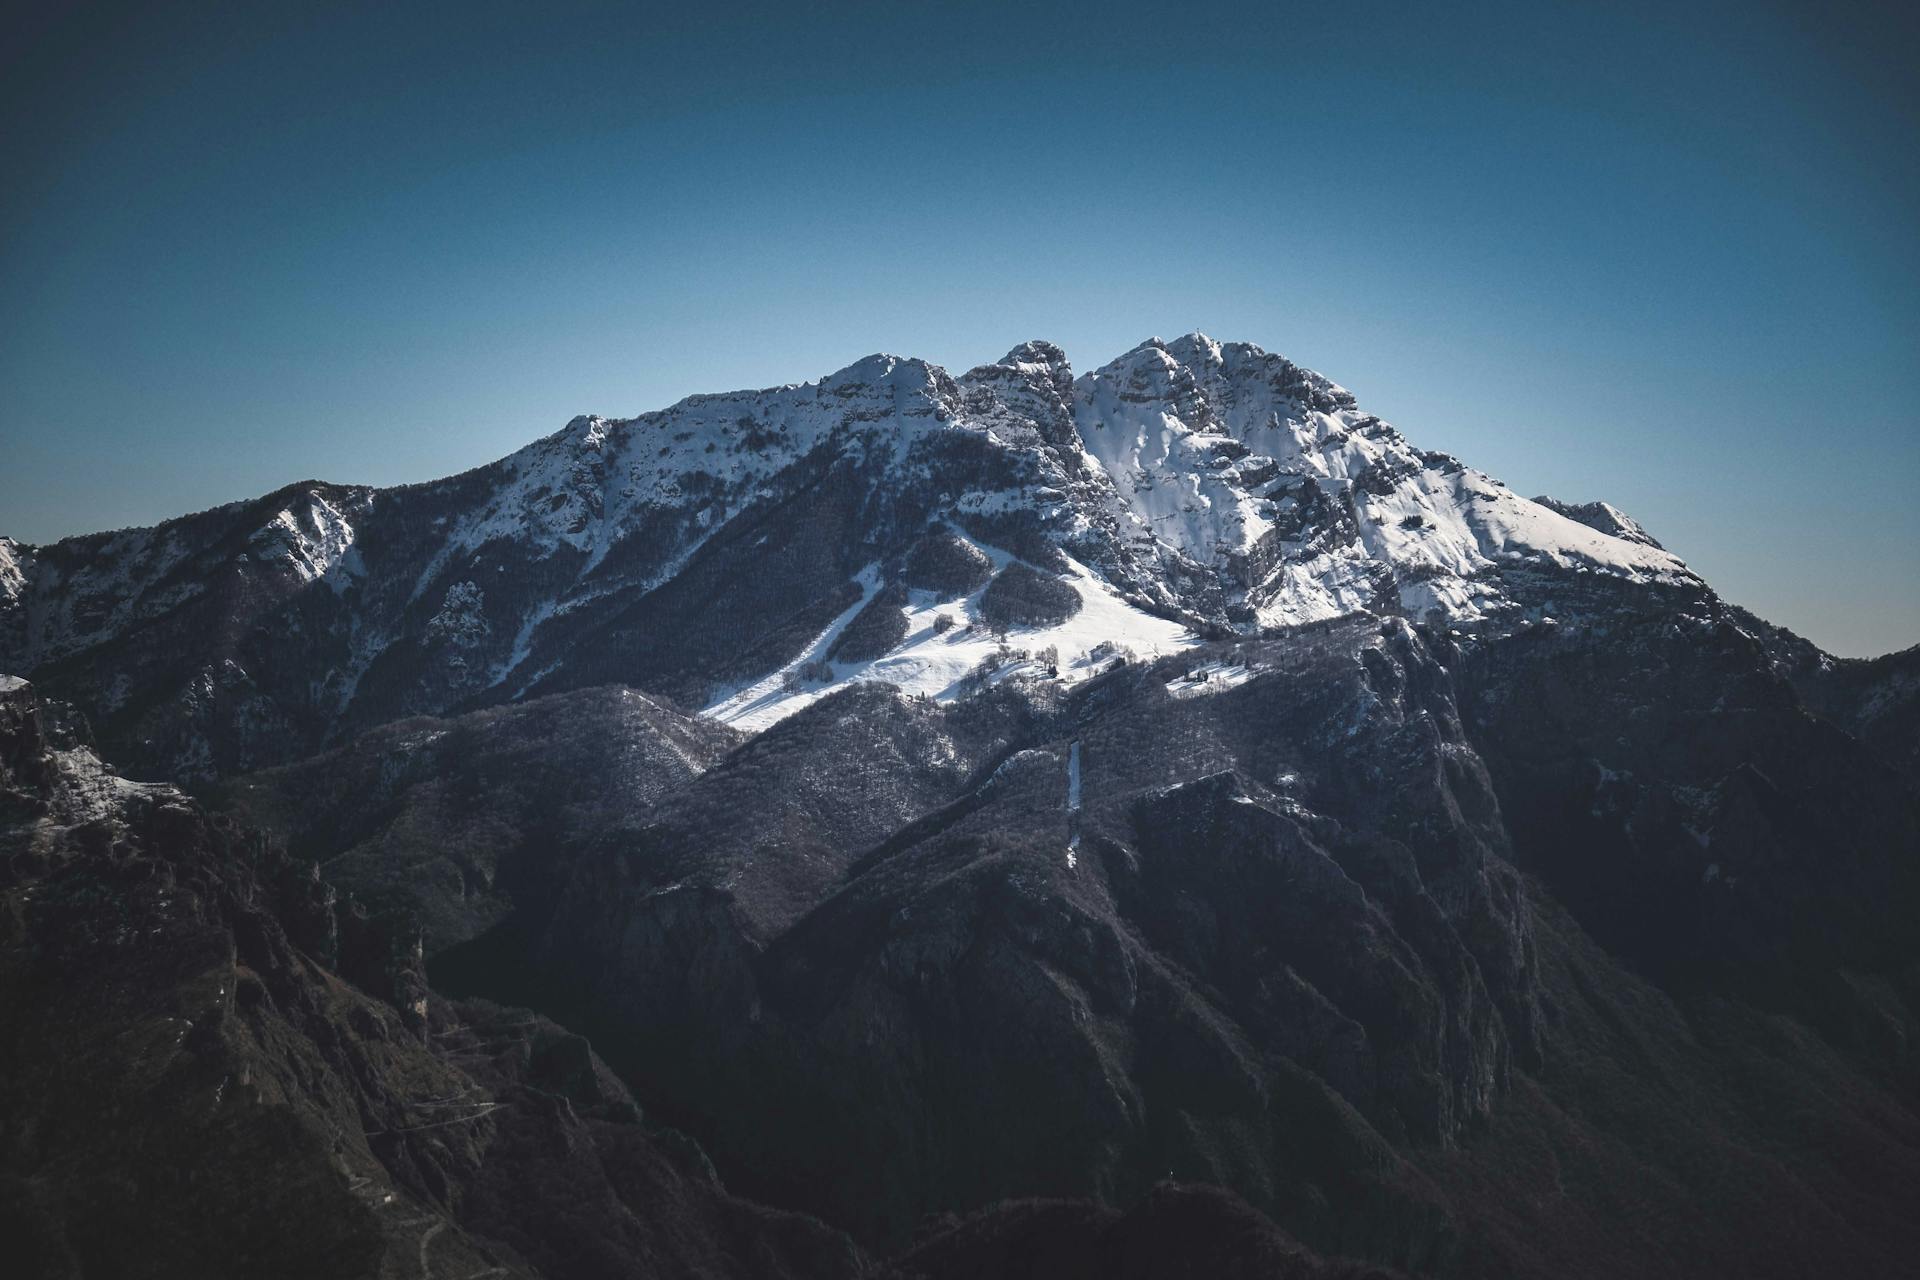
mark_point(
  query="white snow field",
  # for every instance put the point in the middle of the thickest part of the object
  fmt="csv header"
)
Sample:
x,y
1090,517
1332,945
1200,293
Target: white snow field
x,y
938,663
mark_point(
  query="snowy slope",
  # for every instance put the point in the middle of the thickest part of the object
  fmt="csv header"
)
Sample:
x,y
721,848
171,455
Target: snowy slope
x,y
1240,460
946,662
1604,517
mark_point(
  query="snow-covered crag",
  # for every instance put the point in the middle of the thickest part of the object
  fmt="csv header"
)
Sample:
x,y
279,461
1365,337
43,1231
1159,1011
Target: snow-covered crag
x,y
1269,478
715,551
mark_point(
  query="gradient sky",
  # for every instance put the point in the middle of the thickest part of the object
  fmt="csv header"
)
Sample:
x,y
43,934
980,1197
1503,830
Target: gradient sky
x,y
1667,259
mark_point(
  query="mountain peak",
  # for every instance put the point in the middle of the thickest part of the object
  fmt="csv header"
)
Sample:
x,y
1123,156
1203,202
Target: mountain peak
x,y
1036,352
1603,517
1196,348
882,369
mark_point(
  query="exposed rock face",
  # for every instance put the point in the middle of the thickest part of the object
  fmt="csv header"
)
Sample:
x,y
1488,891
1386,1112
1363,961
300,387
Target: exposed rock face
x,y
1875,699
1676,794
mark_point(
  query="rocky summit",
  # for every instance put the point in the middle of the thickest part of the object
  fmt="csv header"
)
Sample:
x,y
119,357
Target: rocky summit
x,y
1152,822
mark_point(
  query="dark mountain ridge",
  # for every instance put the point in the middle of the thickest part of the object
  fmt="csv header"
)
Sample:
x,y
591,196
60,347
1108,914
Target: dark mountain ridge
x,y
224,1067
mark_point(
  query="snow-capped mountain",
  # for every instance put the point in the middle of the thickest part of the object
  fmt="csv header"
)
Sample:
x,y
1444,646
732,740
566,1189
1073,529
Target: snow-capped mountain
x,y
1040,783
717,550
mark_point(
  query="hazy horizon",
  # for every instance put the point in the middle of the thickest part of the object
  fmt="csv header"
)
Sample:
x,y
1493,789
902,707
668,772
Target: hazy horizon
x,y
1665,260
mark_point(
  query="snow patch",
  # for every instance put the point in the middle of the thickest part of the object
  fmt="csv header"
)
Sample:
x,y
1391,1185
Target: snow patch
x,y
1073,804
1212,677
13,576
950,651
313,539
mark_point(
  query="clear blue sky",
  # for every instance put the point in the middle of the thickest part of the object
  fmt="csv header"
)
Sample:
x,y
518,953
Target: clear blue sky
x,y
1668,259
